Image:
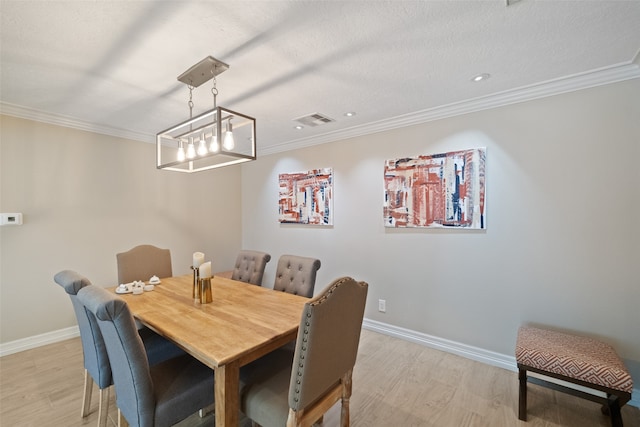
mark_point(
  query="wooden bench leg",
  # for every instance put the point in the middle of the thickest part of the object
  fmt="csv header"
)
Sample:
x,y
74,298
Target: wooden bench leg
x,y
614,411
522,406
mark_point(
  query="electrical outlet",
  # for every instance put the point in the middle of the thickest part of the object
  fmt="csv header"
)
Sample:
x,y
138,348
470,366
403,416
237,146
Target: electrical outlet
x,y
382,305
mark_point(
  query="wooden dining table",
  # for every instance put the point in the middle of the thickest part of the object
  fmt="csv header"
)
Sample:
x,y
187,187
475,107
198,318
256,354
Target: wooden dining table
x,y
241,324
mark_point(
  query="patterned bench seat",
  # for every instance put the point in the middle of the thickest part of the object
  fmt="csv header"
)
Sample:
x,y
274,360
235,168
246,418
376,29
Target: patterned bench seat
x,y
580,360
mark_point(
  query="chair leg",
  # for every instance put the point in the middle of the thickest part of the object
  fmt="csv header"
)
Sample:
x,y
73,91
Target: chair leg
x,y
103,407
86,396
346,396
122,421
292,418
203,412
522,406
344,414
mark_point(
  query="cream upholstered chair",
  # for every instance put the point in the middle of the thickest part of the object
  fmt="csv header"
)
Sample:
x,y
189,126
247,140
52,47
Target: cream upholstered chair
x,y
296,275
147,396
296,389
142,262
97,368
249,267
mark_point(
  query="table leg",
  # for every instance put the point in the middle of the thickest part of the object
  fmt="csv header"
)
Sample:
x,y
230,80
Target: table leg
x,y
227,384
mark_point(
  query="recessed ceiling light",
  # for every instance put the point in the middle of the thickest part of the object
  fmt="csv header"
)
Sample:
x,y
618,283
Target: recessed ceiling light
x,y
299,127
480,77
350,114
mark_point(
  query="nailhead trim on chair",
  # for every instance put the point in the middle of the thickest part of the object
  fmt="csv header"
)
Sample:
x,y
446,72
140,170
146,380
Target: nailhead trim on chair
x,y
301,357
306,333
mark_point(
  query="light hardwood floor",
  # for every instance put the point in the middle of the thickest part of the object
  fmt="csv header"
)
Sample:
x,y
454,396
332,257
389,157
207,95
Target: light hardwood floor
x,y
395,383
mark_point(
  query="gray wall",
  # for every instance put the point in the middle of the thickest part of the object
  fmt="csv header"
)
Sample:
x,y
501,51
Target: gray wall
x,y
562,244
86,197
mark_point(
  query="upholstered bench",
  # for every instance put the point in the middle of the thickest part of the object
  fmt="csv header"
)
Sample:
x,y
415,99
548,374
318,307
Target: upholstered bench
x,y
575,359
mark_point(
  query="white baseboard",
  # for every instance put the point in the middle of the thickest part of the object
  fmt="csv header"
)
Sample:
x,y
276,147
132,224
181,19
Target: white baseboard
x,y
474,353
38,340
470,352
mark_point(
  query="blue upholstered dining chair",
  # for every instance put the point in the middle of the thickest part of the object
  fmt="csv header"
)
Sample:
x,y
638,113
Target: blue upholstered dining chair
x,y
147,396
96,361
297,388
296,275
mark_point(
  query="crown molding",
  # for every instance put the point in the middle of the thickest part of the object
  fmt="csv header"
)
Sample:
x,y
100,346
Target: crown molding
x,y
70,122
549,88
608,75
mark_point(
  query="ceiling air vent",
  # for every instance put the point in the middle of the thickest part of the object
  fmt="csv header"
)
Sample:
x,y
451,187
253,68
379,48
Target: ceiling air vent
x,y
315,119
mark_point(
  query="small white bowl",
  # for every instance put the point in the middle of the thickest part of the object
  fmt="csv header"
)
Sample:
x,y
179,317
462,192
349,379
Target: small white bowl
x,y
149,288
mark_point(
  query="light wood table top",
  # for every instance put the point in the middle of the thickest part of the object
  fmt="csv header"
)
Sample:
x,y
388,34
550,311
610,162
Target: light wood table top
x,y
241,324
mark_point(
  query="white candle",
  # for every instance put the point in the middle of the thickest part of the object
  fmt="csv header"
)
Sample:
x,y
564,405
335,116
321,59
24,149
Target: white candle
x,y
198,259
205,270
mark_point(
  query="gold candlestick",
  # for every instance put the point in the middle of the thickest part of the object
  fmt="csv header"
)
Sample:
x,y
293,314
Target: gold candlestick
x,y
205,291
196,284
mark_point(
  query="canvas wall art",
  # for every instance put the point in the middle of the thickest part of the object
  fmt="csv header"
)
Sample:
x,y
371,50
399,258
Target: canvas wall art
x,y
439,190
307,197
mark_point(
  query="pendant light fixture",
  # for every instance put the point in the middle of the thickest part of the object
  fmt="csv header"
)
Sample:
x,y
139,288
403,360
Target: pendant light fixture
x,y
229,142
194,145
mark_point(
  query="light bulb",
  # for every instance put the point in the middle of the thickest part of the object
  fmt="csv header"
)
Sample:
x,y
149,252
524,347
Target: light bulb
x,y
180,152
191,149
202,146
229,143
214,147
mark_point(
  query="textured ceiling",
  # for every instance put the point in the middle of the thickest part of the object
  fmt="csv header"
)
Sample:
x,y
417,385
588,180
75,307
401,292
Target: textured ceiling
x,y
112,66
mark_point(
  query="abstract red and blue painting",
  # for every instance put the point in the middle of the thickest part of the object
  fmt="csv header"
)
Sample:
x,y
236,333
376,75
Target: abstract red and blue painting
x,y
438,190
306,197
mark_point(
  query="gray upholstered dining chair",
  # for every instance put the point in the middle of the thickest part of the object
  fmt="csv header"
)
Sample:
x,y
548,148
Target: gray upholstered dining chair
x,y
147,396
96,361
296,275
249,267
142,262
296,389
